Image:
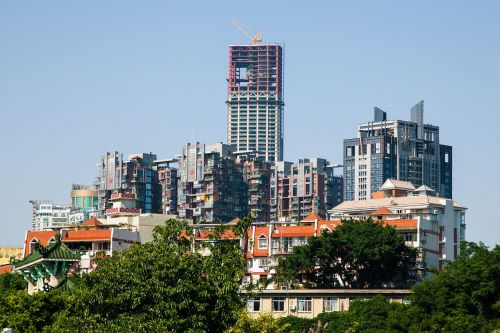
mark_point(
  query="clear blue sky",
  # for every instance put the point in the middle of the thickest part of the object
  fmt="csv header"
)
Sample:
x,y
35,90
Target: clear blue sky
x,y
78,79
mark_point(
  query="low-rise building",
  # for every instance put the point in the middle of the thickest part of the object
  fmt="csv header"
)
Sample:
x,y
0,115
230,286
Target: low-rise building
x,y
91,239
46,267
308,303
433,225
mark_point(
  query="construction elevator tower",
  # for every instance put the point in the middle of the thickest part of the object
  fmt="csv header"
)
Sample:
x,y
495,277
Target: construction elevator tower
x,y
255,100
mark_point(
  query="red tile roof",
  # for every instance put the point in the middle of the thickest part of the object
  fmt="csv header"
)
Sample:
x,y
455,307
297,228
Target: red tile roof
x,y
227,234
259,231
93,222
312,217
327,224
382,211
293,231
402,223
42,237
86,235
5,268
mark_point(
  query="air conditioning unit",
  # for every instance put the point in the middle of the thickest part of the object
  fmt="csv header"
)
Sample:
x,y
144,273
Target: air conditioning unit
x,y
284,288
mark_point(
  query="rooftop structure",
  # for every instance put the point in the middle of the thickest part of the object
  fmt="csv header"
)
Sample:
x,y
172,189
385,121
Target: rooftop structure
x,y
83,197
297,189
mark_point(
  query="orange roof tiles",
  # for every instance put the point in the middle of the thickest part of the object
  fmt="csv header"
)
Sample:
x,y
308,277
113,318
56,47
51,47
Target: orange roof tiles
x,y
86,235
327,224
42,237
294,231
402,223
382,211
91,222
6,268
312,217
261,231
227,234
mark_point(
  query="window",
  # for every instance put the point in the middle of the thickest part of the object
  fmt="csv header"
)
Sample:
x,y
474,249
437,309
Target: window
x,y
330,304
253,305
264,262
32,244
304,304
410,236
262,242
278,304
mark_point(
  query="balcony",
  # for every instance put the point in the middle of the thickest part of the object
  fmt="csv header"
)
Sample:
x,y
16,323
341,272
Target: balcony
x,y
123,211
128,196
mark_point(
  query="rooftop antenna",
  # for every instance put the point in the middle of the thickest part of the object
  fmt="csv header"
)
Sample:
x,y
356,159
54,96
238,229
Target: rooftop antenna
x,y
256,39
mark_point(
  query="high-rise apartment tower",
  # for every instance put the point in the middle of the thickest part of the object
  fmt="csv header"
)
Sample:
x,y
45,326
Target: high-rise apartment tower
x,y
255,100
398,149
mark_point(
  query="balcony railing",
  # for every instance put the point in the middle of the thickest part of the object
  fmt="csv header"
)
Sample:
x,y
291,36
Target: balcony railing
x,y
123,211
130,196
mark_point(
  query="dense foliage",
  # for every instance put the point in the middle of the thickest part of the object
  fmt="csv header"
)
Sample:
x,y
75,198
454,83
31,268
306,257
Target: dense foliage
x,y
465,297
161,286
164,286
356,254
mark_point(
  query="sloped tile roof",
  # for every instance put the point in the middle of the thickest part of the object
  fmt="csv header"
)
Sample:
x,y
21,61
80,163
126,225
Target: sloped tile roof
x,y
293,231
56,251
42,237
402,223
312,217
382,211
6,268
93,222
87,235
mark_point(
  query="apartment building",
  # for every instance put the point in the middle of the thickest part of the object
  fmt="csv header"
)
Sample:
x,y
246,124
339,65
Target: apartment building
x,y
396,149
257,176
211,186
167,177
135,175
46,214
297,189
433,224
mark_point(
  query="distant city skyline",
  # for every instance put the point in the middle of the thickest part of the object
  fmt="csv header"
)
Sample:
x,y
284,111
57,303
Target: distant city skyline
x,y
80,80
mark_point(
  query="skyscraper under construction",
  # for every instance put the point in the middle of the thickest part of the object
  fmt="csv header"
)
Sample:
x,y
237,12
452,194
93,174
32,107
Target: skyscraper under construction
x,y
255,100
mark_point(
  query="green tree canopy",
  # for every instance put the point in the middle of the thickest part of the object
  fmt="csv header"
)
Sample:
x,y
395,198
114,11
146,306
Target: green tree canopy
x,y
464,297
10,282
166,285
356,254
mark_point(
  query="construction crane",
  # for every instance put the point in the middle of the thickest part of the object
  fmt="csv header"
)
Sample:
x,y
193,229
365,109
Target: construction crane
x,y
257,38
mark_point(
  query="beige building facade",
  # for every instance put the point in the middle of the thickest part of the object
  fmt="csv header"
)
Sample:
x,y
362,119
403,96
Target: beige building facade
x,y
308,303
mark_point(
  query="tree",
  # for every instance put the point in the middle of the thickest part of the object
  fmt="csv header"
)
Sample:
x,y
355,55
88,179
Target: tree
x,y
464,297
10,282
241,230
262,324
161,286
356,254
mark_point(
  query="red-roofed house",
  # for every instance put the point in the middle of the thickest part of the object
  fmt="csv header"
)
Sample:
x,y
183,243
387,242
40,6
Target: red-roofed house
x,y
433,225
92,241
